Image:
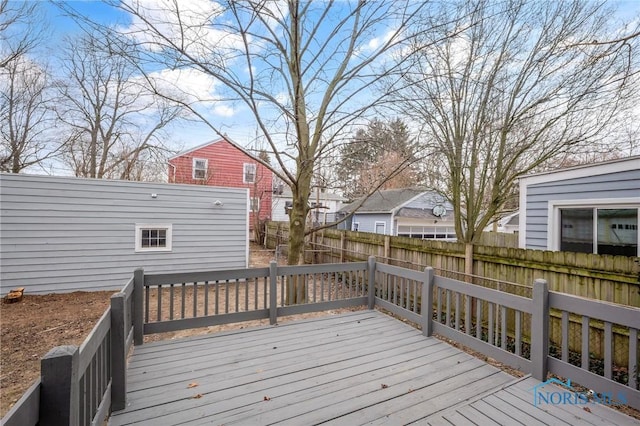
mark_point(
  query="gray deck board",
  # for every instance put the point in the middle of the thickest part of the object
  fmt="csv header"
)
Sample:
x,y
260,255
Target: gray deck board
x,y
357,368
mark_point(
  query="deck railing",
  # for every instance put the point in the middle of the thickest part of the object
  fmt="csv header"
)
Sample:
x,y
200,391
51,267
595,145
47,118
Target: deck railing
x,y
82,385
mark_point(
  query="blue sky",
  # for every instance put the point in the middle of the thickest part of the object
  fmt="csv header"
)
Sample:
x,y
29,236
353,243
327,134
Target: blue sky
x,y
232,119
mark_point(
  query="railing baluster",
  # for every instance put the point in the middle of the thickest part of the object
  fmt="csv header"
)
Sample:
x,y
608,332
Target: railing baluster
x,y
458,309
171,302
467,314
265,293
226,296
518,333
217,296
246,293
503,327
206,298
195,299
237,286
159,313
314,287
633,358
478,318
585,343
322,287
282,289
565,337
448,303
146,304
608,345
183,301
415,295
490,311
439,305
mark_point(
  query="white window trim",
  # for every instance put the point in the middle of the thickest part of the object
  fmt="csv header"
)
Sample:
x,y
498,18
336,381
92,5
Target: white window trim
x,y
553,215
355,226
384,227
141,226
257,202
193,168
244,172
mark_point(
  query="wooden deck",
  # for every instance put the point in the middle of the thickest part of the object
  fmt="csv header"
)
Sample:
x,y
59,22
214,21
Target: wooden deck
x,y
357,368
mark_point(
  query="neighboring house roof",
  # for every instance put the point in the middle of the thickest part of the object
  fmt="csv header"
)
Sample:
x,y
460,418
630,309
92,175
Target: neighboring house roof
x,y
416,213
384,201
225,139
611,166
514,221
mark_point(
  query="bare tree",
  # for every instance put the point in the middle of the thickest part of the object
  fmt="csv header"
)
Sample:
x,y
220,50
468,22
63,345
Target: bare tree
x,y
25,115
304,70
525,83
18,32
114,123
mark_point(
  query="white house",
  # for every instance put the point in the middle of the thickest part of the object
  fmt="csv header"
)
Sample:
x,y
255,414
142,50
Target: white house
x,y
591,208
63,234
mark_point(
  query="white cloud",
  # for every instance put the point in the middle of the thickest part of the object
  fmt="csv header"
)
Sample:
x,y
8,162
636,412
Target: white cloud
x,y
224,110
185,23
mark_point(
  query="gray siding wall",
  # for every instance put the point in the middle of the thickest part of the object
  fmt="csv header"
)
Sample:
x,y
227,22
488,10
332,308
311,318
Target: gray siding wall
x,y
368,221
61,234
606,186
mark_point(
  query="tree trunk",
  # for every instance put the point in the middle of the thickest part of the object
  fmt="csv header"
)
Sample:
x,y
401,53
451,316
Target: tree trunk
x,y
296,291
468,261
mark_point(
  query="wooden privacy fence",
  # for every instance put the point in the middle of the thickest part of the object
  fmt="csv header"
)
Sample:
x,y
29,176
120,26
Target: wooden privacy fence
x,y
80,386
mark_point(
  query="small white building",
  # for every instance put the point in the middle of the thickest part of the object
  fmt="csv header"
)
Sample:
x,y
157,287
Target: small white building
x,y
64,234
324,205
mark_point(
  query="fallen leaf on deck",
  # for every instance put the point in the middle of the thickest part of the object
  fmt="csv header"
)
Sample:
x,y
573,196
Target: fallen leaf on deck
x,y
383,386
192,385
197,396
266,398
587,409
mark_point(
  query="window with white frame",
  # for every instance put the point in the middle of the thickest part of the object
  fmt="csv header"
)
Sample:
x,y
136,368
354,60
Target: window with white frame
x,y
380,227
254,204
200,168
355,226
249,173
153,237
600,230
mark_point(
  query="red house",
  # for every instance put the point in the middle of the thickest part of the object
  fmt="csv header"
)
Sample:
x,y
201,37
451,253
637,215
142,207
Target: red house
x,y
224,163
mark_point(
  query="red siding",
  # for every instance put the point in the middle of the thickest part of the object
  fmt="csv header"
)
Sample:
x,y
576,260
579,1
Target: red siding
x,y
225,168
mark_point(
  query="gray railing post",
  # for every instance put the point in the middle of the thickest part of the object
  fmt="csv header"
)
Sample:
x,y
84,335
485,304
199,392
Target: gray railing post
x,y
540,330
273,292
426,303
138,315
371,268
59,391
118,352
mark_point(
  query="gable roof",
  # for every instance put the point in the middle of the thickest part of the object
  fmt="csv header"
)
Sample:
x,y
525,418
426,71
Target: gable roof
x,y
384,201
225,139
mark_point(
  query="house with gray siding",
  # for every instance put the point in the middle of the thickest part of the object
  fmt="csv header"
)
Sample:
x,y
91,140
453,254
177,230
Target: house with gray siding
x,y
64,234
590,209
409,212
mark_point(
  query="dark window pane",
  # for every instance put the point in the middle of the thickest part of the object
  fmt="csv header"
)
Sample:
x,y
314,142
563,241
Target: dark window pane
x,y
576,230
145,233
